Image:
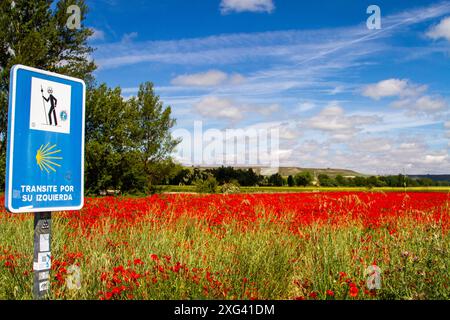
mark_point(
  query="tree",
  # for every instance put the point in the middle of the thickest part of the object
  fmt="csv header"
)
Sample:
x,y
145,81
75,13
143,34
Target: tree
x,y
340,180
209,185
249,178
360,181
303,178
276,180
151,133
33,34
110,158
245,177
128,143
290,181
326,181
182,176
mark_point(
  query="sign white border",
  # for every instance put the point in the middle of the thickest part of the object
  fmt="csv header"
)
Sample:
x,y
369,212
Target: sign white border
x,y
15,68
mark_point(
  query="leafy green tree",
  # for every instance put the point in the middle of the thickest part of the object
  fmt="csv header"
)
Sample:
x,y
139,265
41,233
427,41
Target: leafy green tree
x,y
128,143
245,177
340,180
249,178
209,185
426,182
303,178
150,132
326,181
181,176
360,181
373,182
35,34
276,180
109,151
290,181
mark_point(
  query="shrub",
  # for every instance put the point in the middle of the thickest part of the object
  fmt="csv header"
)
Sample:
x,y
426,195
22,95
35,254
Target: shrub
x,y
232,187
210,185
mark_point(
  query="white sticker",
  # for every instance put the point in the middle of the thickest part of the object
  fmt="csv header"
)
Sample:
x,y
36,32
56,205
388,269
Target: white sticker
x,y
44,286
44,242
44,261
44,275
50,106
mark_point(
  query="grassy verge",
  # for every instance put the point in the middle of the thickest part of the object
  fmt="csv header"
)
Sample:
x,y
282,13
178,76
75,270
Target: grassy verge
x,y
187,189
157,258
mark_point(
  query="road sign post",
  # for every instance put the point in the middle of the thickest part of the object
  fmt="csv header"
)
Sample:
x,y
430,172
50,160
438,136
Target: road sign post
x,y
42,262
45,155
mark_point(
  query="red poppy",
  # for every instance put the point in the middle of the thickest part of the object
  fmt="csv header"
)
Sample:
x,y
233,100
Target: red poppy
x,y
353,291
313,295
138,262
154,257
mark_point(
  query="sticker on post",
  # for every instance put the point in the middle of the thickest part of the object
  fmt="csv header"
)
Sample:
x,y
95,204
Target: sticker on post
x,y
44,261
44,286
45,275
44,242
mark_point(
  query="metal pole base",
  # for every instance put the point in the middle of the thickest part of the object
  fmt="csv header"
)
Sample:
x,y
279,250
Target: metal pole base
x,y
42,254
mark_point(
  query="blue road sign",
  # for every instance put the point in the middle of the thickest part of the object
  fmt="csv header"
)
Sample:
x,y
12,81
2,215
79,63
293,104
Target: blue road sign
x,y
45,153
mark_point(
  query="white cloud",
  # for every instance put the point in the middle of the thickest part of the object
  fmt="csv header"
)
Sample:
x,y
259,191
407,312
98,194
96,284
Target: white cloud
x,y
230,109
206,79
228,6
371,145
97,35
305,106
447,124
441,30
129,37
210,78
267,110
411,96
288,133
332,119
375,155
425,104
336,90
214,107
385,88
434,159
236,79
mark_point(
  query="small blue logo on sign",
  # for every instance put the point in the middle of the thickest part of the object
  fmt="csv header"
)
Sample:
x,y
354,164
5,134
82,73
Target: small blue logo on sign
x,y
45,154
63,115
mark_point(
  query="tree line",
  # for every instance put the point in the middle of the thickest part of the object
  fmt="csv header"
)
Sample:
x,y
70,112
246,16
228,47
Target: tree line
x,y
248,177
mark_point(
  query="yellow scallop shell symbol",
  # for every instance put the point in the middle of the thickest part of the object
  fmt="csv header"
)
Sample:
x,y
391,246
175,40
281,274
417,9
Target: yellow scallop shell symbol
x,y
46,157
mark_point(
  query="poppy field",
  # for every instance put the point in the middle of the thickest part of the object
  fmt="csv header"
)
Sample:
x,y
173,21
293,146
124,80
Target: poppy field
x,y
312,245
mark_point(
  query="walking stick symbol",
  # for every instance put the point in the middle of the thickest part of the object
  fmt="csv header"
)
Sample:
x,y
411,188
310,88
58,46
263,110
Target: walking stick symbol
x,y
43,102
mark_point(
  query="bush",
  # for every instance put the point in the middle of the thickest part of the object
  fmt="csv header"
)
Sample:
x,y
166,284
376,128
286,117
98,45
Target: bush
x,y
232,187
210,185
303,178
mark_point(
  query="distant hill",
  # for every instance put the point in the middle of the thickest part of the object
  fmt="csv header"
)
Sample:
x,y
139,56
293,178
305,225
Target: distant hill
x,y
286,171
332,172
434,177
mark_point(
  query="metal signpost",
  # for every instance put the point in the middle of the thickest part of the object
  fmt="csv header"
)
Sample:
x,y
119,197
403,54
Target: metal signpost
x,y
45,155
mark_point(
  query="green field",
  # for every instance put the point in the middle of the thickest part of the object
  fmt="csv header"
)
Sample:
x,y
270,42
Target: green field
x,y
183,189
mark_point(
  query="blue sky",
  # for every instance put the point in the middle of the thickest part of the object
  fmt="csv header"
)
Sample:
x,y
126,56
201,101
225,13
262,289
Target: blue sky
x,y
341,95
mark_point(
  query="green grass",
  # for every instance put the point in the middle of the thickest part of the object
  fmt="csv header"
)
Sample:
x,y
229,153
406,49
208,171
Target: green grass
x,y
182,189
264,261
